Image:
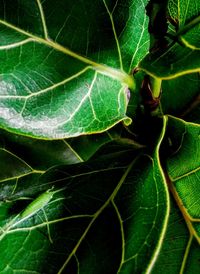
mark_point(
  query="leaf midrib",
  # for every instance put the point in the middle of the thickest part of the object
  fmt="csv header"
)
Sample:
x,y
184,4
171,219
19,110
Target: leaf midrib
x,y
100,68
95,216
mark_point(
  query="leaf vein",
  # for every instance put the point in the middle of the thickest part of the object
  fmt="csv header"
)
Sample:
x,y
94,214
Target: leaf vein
x,y
43,19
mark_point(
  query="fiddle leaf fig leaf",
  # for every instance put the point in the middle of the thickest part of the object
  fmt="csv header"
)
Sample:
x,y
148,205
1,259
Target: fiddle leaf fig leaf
x,y
181,55
19,167
184,184
65,66
179,252
175,61
174,89
111,211
82,190
185,180
186,17
34,153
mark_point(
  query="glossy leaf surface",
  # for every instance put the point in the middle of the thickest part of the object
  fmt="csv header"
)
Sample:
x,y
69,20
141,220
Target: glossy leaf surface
x,y
180,95
180,251
65,65
181,55
186,17
92,201
76,197
174,62
171,257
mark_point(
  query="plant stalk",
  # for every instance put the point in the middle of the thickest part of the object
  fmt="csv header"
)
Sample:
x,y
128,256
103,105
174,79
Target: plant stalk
x,y
151,93
155,84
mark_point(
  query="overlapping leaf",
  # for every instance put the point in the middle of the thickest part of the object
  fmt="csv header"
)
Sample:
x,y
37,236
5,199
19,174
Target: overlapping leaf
x,y
183,167
173,257
186,178
180,95
37,154
178,58
175,61
110,211
186,17
54,83
43,154
194,114
65,72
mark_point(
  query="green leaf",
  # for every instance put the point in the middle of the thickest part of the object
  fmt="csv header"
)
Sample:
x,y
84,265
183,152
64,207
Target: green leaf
x,y
185,145
180,95
109,215
181,55
173,62
194,114
186,16
183,169
86,146
8,159
65,65
39,154
134,39
173,253
43,154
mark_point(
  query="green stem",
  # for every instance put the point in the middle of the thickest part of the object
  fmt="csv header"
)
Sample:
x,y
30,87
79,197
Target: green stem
x,y
151,93
155,86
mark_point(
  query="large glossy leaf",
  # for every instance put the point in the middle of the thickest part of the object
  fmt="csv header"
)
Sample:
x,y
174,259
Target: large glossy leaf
x,y
180,95
86,146
173,257
38,154
65,65
110,217
177,60
186,17
183,57
43,154
183,168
